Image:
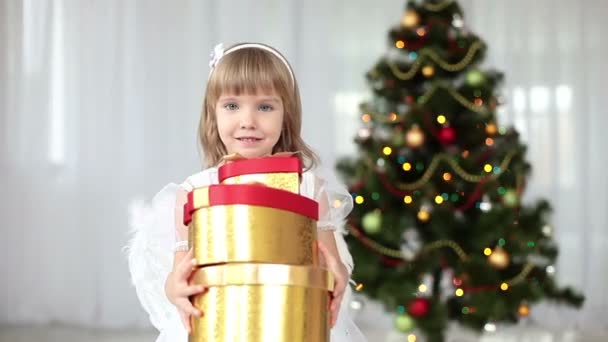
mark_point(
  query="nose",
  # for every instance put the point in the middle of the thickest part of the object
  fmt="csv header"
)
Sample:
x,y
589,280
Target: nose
x,y
247,120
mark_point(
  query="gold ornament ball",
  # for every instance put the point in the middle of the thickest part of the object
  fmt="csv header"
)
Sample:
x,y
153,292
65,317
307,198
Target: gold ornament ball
x,y
523,310
428,71
499,259
414,137
410,19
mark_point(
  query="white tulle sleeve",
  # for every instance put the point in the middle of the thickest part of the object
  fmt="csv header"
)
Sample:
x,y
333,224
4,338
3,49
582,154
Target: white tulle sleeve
x,y
335,203
150,252
150,256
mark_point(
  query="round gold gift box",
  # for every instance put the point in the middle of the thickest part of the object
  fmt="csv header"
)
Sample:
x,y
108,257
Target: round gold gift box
x,y
262,303
252,223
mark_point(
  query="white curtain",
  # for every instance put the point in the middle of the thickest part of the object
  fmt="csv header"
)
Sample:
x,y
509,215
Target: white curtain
x,y
99,103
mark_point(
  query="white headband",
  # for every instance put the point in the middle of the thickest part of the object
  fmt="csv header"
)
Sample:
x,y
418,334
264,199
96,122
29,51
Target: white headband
x,y
219,52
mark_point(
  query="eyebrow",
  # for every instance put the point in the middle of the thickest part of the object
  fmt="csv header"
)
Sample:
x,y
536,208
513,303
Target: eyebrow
x,y
263,99
270,99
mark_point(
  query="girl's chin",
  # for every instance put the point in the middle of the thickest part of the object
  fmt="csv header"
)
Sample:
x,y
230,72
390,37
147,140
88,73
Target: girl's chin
x,y
252,153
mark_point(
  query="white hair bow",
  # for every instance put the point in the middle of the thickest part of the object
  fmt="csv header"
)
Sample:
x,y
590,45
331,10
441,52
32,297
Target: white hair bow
x,y
216,55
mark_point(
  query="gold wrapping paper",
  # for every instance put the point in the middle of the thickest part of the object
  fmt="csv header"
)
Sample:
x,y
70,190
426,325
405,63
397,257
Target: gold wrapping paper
x,y
288,181
246,233
262,302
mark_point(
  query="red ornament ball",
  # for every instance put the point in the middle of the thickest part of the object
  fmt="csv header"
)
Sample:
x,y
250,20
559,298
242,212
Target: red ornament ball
x,y
447,135
419,307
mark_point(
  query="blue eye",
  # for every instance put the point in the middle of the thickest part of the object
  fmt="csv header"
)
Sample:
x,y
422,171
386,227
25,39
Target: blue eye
x,y
231,106
266,108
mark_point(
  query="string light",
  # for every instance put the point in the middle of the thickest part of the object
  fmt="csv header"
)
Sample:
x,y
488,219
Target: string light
x,y
400,44
392,116
487,251
359,199
441,119
459,292
359,287
428,71
337,203
438,199
447,176
491,128
366,117
422,288
454,164
487,168
387,150
424,215
407,166
407,199
504,286
411,338
489,141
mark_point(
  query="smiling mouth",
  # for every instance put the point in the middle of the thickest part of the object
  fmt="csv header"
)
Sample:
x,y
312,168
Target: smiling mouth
x,y
248,139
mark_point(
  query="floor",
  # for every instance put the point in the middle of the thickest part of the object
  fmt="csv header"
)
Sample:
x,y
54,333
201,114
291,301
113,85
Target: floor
x,y
69,334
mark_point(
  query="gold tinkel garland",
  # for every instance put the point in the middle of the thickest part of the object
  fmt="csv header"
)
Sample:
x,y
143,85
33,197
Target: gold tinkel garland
x,y
406,75
426,97
480,109
457,168
394,253
438,7
397,254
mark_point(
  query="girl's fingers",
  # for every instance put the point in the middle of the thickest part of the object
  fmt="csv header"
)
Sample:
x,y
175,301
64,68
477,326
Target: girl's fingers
x,y
186,265
192,290
185,321
185,305
335,309
335,303
326,256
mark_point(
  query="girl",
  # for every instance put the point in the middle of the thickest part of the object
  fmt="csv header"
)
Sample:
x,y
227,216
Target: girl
x,y
251,107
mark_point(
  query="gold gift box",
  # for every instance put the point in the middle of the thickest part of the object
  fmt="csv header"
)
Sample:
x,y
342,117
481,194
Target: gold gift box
x,y
255,245
252,223
262,302
280,171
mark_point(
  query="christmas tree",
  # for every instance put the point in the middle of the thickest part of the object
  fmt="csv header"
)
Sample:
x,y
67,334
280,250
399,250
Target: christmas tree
x,y
439,231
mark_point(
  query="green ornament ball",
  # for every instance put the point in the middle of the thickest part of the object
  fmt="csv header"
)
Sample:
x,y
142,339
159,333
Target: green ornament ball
x,y
372,222
404,323
510,198
475,78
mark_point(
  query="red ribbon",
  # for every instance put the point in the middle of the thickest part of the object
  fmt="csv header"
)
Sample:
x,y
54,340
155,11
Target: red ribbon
x,y
259,165
257,195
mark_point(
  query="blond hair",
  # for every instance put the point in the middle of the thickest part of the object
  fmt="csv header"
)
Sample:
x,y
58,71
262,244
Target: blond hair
x,y
249,70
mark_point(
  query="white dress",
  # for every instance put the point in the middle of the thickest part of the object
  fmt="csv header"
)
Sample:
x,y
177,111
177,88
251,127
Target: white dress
x,y
150,251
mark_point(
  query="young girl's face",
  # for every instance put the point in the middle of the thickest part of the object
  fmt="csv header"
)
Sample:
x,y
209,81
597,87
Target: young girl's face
x,y
249,125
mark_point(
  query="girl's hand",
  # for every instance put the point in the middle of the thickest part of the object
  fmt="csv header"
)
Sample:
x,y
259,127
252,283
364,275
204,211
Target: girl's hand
x,y
340,273
178,290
